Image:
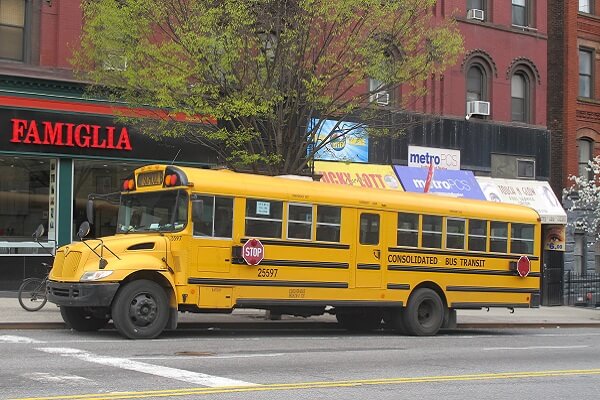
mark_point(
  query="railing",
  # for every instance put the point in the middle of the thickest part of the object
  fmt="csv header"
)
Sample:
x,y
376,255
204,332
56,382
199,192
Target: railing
x,y
582,289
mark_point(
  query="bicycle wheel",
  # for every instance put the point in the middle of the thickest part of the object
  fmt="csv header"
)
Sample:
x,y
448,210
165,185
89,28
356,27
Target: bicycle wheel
x,y
32,294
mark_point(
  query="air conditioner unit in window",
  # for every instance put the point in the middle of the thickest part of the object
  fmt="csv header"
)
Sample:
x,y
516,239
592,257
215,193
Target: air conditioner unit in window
x,y
478,108
382,98
475,14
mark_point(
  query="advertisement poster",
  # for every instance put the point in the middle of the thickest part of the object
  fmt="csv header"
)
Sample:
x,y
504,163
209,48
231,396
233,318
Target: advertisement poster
x,y
554,237
348,142
360,175
445,182
535,194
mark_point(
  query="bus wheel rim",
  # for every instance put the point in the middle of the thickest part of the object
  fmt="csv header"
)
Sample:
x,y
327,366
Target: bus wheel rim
x,y
143,309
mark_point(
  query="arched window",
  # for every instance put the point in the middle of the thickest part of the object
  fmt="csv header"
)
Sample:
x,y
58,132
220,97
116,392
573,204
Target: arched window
x,y
476,84
586,152
519,93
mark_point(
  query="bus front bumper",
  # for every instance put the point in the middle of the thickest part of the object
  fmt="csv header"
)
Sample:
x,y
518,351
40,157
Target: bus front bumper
x,y
82,294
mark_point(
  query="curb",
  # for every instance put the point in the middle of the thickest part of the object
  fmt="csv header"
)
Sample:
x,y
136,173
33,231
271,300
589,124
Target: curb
x,y
287,325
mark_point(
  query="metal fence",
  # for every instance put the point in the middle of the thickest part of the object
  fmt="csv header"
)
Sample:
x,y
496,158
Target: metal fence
x,y
582,289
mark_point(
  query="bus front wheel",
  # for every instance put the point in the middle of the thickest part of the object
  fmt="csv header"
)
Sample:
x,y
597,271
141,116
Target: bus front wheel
x,y
424,313
141,310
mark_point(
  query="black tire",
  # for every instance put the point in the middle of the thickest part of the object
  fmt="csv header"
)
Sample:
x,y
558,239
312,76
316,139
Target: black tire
x,y
32,294
359,321
141,310
449,319
424,313
84,319
396,321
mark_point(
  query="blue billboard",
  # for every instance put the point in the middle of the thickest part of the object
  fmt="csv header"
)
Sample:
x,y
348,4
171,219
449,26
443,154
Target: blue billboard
x,y
455,183
347,141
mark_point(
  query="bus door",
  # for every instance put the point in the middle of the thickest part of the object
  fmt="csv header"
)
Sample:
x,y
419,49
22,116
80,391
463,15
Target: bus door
x,y
212,219
369,250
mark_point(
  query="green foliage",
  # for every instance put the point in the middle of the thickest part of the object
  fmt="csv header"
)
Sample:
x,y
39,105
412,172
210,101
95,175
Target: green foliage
x,y
262,68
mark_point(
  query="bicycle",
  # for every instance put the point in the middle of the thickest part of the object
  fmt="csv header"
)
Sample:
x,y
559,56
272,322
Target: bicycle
x,y
32,292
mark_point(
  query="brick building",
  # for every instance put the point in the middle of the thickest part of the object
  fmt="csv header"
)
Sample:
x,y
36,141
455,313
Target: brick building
x,y
574,110
499,83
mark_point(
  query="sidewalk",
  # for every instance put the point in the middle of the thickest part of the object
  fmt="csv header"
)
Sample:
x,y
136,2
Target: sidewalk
x,y
12,316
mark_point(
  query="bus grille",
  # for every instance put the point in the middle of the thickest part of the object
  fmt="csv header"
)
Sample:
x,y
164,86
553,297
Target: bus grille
x,y
59,261
71,263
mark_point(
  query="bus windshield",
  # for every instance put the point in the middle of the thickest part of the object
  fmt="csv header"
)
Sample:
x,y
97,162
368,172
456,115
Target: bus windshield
x,y
153,212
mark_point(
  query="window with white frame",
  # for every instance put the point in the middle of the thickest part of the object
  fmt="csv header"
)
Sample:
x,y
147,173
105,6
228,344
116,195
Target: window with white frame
x,y
455,233
520,12
263,218
585,73
300,218
586,6
585,149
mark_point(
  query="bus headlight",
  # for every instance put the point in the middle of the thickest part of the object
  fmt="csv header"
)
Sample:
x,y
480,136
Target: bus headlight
x,y
94,275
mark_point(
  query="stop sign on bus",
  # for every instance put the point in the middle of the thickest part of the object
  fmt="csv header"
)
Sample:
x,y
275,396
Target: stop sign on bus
x,y
253,251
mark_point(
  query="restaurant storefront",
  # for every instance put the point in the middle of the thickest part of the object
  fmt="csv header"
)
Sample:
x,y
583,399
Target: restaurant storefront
x,y
54,152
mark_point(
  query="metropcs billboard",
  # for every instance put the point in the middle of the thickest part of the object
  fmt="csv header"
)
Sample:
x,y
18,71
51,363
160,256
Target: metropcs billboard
x,y
441,158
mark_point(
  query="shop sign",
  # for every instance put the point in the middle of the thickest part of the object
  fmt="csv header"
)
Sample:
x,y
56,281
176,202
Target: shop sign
x,y
535,194
360,175
440,158
68,134
445,182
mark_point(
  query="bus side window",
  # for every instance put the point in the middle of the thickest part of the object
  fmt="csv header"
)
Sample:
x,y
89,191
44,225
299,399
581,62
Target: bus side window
x,y
223,217
432,232
477,235
202,215
263,218
408,230
521,238
328,223
498,236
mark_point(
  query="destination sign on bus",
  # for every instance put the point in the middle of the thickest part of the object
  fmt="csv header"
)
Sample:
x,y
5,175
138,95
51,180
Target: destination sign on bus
x,y
150,178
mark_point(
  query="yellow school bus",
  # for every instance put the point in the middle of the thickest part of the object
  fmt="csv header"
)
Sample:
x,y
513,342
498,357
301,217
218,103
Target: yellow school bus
x,y
199,240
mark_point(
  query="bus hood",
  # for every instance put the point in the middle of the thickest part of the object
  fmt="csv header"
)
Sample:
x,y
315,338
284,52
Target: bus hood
x,y
118,254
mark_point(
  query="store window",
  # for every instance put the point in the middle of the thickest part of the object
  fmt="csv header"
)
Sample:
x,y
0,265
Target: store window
x,y
102,178
12,29
24,203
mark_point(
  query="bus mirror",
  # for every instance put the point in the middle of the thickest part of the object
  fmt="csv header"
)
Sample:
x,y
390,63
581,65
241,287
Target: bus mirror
x,y
84,229
89,211
39,231
197,206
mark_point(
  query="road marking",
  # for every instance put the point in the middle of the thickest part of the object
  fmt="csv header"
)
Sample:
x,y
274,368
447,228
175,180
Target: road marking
x,y
320,385
535,348
165,372
63,379
17,339
208,357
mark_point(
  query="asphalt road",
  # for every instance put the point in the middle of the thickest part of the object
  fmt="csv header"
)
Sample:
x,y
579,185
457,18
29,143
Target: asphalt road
x,y
327,364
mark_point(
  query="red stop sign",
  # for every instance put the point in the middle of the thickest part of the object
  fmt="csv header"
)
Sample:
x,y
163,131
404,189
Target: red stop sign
x,y
253,252
523,266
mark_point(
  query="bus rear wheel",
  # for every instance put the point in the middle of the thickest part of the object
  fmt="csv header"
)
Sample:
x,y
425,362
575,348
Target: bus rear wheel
x,y
141,310
424,313
84,319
